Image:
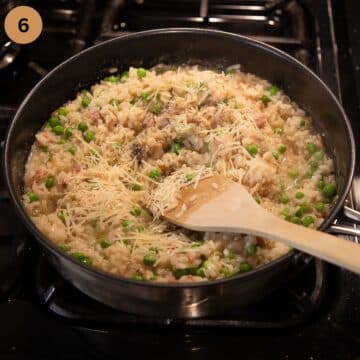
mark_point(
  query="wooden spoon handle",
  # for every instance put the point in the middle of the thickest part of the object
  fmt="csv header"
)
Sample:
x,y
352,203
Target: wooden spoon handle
x,y
232,209
333,249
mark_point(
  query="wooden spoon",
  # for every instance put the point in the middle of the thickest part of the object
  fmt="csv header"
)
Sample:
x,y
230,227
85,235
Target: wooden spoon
x,y
221,205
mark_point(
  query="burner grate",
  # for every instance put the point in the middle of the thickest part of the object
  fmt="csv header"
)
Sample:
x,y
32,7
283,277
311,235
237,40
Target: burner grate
x,y
281,23
289,306
67,29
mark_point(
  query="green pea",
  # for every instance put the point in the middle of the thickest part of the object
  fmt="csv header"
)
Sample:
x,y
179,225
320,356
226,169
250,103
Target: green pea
x,y
252,149
89,136
273,90
306,207
320,185
64,247
200,272
244,267
141,73
320,206
82,258
195,244
178,273
62,111
61,215
308,220
154,174
319,155
137,277
302,122
251,249
295,220
135,187
149,259
283,199
279,131
276,155
285,212
299,212
311,148
191,271
68,133
282,148
265,99
177,146
82,126
50,181
32,196
104,243
125,223
299,195
156,109
114,102
146,96
112,79
136,211
44,149
72,150
329,190
124,77
227,273
189,177
85,102
58,130
54,121
293,174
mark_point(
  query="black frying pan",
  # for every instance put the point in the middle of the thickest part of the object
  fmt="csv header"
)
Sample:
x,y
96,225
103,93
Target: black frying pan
x,y
212,48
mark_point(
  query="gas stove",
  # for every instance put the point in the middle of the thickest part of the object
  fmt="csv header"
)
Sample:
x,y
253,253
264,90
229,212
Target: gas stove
x,y
314,315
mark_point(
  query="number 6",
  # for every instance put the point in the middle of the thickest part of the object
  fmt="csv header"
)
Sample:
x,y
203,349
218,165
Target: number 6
x,y
23,25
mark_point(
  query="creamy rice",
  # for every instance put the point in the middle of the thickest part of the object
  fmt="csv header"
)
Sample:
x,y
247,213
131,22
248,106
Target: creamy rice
x,y
109,163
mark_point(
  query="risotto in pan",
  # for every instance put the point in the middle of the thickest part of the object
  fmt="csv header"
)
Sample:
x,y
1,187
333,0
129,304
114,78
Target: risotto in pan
x,y
108,164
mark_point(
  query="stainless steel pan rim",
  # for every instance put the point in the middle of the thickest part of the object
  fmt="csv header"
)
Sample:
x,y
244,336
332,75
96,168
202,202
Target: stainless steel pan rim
x,y
215,33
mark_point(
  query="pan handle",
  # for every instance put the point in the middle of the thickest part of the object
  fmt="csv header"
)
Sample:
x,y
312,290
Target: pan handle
x,y
352,214
344,229
351,229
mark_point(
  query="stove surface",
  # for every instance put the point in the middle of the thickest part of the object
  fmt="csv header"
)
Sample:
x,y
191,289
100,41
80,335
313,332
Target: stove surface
x,y
315,315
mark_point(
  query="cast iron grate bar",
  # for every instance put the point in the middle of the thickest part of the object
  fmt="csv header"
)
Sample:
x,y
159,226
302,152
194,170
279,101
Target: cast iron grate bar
x,y
280,23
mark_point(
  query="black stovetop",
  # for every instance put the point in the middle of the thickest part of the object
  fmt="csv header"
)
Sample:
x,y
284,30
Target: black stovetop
x,y
315,315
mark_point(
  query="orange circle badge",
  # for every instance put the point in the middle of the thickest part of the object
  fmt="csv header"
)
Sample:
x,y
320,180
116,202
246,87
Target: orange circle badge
x,y
23,24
